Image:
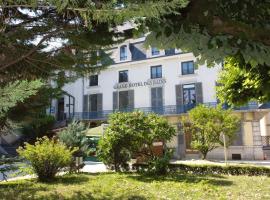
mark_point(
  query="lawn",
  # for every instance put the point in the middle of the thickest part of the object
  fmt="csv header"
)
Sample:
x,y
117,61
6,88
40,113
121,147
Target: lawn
x,y
135,186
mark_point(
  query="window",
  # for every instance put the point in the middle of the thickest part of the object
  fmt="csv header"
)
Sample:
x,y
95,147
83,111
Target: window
x,y
93,80
189,94
123,76
123,100
155,51
156,72
187,67
123,52
169,52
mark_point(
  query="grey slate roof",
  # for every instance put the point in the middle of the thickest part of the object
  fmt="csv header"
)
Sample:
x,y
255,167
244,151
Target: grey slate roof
x,y
138,52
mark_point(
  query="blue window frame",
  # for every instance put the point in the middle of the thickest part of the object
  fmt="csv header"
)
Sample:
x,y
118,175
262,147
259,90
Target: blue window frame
x,y
155,51
123,52
156,72
187,67
123,76
93,80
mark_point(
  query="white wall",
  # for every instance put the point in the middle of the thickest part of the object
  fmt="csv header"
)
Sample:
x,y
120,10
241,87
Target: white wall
x,y
139,71
75,89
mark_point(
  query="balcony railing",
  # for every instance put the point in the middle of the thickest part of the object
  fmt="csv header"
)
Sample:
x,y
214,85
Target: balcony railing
x,y
163,110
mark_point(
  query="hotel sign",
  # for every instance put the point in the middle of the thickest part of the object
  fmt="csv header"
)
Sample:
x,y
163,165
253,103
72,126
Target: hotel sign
x,y
150,82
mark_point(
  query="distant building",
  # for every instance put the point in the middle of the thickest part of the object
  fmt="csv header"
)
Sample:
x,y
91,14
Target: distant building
x,y
165,82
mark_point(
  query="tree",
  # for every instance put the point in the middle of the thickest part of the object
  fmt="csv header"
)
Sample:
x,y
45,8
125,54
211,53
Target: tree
x,y
217,30
14,93
240,83
76,29
206,126
130,134
212,29
46,39
74,136
46,157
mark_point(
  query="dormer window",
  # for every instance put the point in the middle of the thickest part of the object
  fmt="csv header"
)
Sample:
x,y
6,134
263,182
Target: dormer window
x,y
123,53
155,51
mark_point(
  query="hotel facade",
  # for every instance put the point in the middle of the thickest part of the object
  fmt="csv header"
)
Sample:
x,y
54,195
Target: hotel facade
x,y
165,82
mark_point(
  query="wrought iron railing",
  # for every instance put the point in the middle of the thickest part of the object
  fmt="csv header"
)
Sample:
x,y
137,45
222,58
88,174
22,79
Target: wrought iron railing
x,y
162,110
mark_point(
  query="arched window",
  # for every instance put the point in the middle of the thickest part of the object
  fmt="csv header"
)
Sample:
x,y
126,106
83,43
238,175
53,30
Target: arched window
x,y
123,52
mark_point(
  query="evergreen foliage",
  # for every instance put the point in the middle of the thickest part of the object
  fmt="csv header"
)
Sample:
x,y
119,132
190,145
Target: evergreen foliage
x,y
14,93
44,39
74,136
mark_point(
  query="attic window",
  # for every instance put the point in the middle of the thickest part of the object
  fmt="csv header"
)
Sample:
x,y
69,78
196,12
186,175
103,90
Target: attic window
x,y
155,51
123,52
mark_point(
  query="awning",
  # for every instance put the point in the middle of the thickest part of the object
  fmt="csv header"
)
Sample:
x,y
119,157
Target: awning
x,y
97,131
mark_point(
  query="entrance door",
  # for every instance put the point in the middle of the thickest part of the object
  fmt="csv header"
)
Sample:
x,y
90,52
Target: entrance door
x,y
61,110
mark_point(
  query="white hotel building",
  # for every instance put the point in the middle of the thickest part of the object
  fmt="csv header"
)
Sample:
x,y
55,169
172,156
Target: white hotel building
x,y
165,82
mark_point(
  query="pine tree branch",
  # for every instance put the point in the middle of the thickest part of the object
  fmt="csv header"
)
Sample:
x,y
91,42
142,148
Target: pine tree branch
x,y
29,53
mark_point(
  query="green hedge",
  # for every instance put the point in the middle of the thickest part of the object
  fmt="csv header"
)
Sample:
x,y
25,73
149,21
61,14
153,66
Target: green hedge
x,y
213,169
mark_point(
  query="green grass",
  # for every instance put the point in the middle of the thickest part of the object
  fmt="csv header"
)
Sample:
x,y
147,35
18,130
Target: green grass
x,y
134,186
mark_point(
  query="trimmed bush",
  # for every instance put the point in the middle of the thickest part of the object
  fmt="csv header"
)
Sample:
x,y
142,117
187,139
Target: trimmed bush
x,y
213,169
46,157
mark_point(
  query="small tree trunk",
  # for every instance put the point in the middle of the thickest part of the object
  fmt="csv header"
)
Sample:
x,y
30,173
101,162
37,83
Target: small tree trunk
x,y
204,154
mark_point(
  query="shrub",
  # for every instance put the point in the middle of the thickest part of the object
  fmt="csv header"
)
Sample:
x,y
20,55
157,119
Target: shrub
x,y
39,127
122,137
46,157
219,169
130,134
74,136
160,165
213,169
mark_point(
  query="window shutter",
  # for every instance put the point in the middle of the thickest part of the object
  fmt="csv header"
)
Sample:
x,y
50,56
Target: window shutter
x,y
85,103
199,94
115,100
153,97
159,97
99,102
131,99
179,94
